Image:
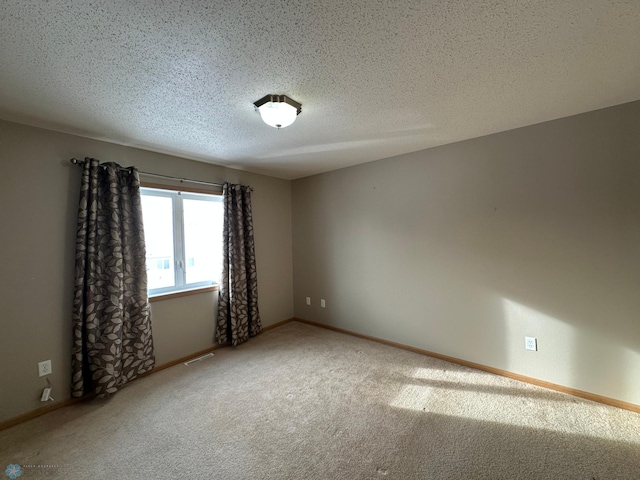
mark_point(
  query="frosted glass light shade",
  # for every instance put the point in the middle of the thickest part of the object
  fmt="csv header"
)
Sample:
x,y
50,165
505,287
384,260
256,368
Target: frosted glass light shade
x,y
278,115
278,111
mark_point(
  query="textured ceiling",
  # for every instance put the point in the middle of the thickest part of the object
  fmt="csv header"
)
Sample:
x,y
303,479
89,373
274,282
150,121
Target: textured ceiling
x,y
375,78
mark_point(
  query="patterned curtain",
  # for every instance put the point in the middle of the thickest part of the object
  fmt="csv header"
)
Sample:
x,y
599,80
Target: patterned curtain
x,y
112,341
238,316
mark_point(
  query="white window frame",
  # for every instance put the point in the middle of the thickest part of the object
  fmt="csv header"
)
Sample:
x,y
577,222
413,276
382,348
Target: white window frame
x,y
177,197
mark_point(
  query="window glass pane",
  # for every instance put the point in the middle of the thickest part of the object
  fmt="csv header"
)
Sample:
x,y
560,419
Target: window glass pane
x,y
157,214
202,240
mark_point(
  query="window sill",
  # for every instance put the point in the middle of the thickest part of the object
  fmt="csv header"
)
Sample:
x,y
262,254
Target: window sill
x,y
182,293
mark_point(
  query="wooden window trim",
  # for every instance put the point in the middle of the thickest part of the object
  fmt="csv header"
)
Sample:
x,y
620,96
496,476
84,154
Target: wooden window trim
x,y
183,293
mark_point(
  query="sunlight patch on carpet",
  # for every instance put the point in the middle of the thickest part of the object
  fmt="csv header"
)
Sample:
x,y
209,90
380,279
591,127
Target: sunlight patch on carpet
x,y
488,398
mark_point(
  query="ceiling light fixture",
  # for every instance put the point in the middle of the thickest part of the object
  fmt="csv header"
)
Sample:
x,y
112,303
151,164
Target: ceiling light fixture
x,y
278,111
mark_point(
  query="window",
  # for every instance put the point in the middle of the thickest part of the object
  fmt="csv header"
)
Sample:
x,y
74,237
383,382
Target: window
x,y
183,236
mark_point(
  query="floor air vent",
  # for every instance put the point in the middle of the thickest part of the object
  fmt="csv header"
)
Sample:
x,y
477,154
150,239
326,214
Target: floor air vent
x,y
194,360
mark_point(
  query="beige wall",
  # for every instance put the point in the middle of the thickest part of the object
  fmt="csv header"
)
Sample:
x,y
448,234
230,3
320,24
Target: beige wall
x,y
39,196
466,248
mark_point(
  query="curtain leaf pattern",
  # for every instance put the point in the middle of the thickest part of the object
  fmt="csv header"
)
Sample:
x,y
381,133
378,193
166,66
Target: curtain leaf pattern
x,y
112,341
238,316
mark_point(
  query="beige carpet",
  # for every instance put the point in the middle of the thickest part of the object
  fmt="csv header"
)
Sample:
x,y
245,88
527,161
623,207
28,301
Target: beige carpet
x,y
299,402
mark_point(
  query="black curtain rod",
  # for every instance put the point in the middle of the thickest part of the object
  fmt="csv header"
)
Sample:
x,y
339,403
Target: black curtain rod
x,y
75,161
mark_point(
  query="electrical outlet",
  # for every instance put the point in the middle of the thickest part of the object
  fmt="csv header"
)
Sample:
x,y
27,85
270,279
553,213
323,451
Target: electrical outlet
x,y
323,304
44,368
530,343
308,300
